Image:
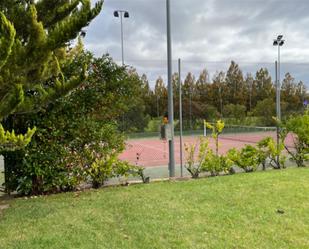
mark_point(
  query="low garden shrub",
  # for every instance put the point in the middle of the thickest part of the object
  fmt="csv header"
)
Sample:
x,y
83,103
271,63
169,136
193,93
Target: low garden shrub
x,y
246,158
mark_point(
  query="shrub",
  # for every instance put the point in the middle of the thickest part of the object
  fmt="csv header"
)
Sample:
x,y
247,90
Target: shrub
x,y
266,110
193,165
153,125
268,149
207,160
108,167
214,164
235,111
74,133
299,127
217,129
246,158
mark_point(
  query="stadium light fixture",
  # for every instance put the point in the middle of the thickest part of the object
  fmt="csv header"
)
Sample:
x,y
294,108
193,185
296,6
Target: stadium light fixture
x,y
116,14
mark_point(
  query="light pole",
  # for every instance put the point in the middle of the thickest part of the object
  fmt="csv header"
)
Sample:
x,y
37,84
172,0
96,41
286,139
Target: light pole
x,y
220,96
190,106
170,91
278,42
180,116
250,92
125,14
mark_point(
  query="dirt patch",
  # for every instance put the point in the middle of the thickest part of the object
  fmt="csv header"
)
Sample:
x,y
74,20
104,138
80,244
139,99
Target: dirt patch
x,y
4,206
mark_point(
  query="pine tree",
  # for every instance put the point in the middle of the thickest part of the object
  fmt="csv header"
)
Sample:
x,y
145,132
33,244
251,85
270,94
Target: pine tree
x,y
264,86
235,84
289,93
160,92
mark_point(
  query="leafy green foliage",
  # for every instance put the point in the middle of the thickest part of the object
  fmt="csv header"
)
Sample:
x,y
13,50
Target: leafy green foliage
x,y
266,110
246,158
269,149
34,37
235,111
206,160
7,32
35,49
298,126
9,141
214,164
217,129
194,164
74,145
108,167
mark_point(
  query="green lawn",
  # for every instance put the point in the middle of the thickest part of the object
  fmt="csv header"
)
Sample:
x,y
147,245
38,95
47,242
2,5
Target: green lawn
x,y
1,180
238,211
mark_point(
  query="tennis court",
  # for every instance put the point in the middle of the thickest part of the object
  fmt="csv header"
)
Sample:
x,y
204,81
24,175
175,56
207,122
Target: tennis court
x,y
151,152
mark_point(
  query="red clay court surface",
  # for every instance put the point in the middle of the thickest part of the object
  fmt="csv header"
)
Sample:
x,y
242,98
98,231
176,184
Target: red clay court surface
x,y
150,152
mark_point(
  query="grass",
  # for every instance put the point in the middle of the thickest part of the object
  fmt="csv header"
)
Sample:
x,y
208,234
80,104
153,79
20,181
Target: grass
x,y
1,177
1,180
237,211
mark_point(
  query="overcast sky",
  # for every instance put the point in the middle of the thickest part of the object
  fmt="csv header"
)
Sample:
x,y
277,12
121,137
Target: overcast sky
x,y
205,34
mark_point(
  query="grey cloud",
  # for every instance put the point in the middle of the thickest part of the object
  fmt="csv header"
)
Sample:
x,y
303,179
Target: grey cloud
x,y
213,31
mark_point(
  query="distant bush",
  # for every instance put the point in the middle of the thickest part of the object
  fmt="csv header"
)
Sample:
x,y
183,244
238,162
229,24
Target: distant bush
x,y
237,112
265,109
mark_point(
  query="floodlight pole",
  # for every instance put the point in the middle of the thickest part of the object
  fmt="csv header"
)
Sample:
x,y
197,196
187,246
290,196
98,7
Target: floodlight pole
x,y
277,107
250,92
278,42
126,15
170,92
278,86
180,116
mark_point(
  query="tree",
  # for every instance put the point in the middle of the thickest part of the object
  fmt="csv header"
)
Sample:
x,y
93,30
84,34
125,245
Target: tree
x,y
219,93
71,142
252,91
289,93
237,112
34,39
36,34
188,99
266,110
203,87
235,83
264,86
160,92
